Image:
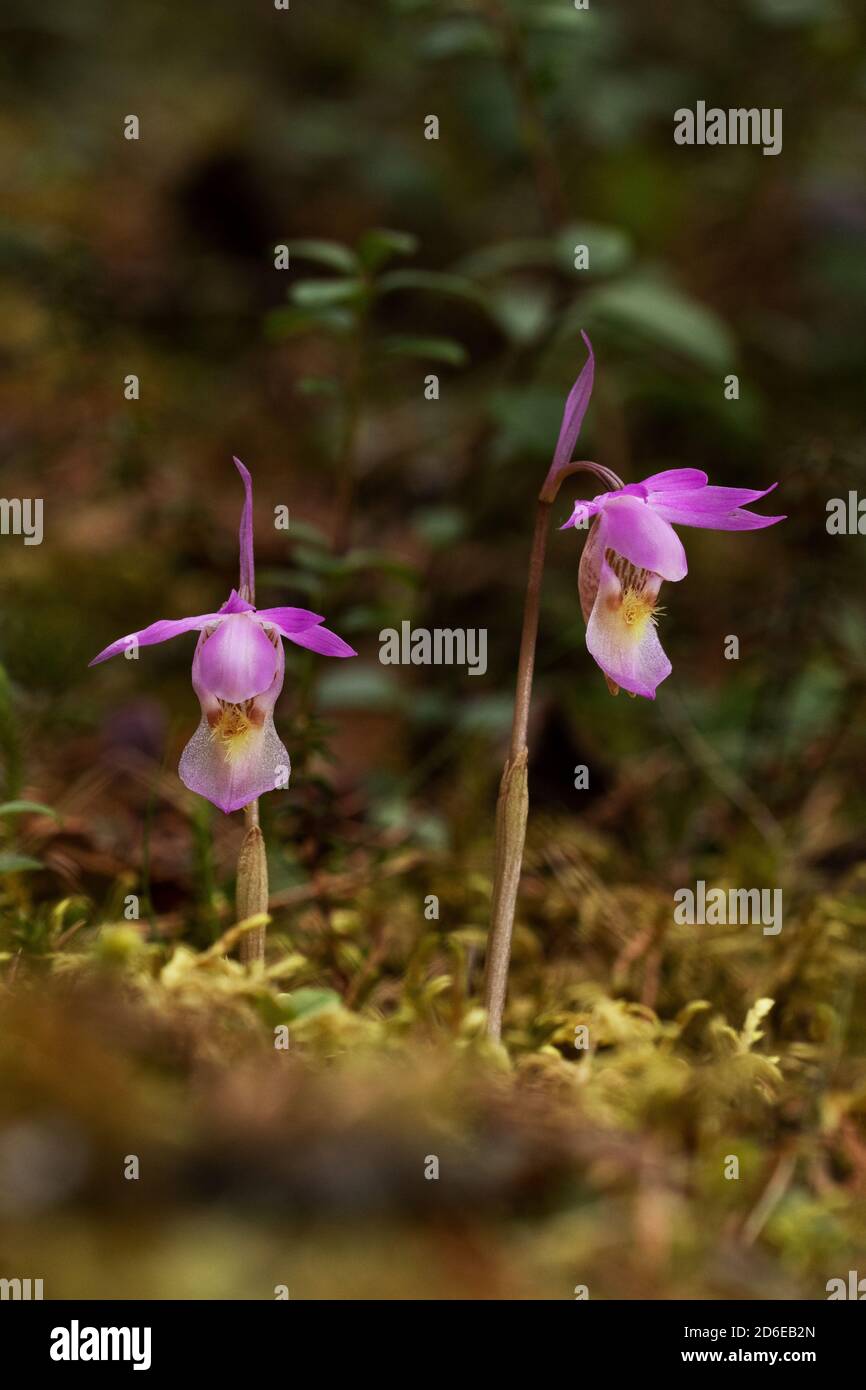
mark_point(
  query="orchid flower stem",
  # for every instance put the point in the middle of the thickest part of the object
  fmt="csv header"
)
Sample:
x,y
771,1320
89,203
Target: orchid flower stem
x,y
512,808
251,890
252,885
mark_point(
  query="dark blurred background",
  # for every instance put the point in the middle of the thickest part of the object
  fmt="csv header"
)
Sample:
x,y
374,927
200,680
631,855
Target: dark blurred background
x,y
260,128
409,257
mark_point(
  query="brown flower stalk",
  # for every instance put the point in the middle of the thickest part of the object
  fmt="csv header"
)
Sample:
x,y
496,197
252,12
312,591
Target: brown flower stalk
x,y
512,807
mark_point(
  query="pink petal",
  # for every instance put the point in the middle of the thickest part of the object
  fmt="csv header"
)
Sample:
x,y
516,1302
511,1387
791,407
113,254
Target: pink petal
x,y
630,654
233,779
248,571
235,604
715,508
237,661
290,620
575,409
675,480
727,498
634,529
323,641
582,512
733,521
161,631
235,753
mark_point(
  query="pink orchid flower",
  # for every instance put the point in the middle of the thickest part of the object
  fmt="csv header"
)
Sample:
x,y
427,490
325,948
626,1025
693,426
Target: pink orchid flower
x,y
630,549
236,755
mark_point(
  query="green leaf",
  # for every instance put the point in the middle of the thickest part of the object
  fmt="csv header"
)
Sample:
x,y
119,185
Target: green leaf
x,y
318,559
317,386
439,526
16,808
329,253
610,248
526,416
303,1003
298,581
436,349
519,254
364,618
656,314
454,38
321,294
433,282
522,311
563,18
425,827
18,863
380,244
487,714
360,561
359,686
288,322
814,700
306,531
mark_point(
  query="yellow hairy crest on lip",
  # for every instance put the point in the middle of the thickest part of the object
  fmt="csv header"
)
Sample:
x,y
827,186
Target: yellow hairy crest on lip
x,y
232,727
635,604
636,608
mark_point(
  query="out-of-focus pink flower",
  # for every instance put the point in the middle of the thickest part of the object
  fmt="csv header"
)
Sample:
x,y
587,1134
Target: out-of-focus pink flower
x,y
238,668
631,548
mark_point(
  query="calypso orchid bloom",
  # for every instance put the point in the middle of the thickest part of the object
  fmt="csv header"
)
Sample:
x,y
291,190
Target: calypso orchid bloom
x,y
238,668
631,547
